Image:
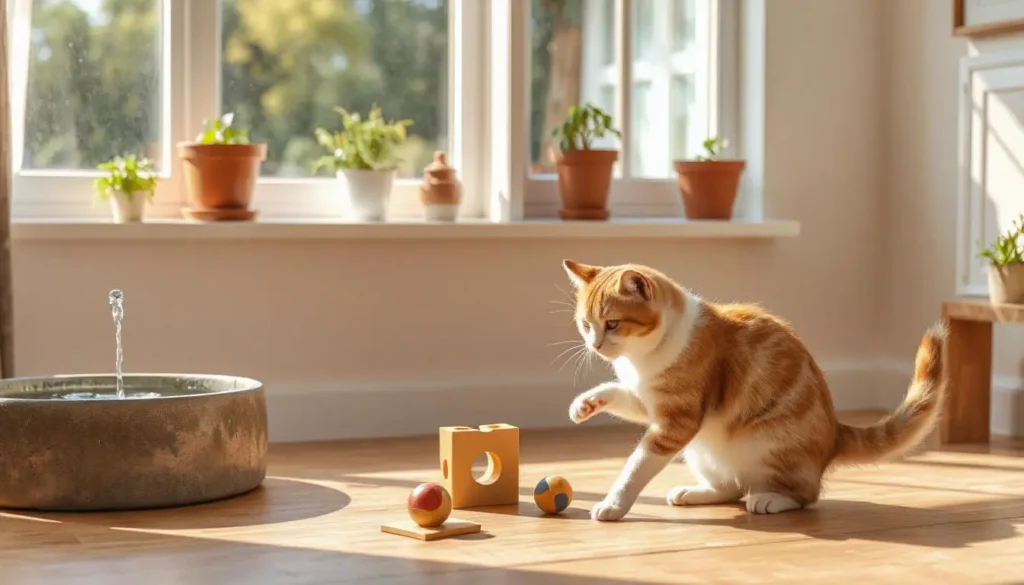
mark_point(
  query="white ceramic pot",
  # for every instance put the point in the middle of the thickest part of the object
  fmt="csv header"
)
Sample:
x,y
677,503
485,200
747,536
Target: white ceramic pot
x,y
1006,284
128,207
366,194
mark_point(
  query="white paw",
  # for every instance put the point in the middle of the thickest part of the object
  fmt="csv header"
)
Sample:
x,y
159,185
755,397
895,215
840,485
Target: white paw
x,y
683,495
608,511
698,495
584,407
770,503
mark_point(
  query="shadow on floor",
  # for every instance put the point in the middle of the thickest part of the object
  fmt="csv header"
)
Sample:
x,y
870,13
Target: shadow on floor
x,y
46,552
829,519
277,500
887,522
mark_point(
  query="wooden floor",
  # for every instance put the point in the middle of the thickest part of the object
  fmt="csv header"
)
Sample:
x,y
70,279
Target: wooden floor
x,y
948,516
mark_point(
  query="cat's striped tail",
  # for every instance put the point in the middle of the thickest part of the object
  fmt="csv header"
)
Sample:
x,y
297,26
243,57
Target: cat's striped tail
x,y
911,422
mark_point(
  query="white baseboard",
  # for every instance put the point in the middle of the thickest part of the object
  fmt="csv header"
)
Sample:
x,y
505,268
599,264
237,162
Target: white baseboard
x,y
346,409
1007,406
890,379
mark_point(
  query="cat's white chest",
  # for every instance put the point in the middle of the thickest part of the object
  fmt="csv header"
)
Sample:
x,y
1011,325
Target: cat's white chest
x,y
627,373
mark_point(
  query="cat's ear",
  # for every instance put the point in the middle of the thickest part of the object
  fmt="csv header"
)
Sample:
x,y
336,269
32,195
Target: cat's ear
x,y
634,283
579,274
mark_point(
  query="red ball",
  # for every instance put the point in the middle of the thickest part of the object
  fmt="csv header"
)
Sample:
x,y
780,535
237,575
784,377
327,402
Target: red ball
x,y
429,504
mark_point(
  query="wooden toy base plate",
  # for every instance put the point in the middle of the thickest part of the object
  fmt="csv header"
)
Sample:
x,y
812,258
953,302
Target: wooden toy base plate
x,y
450,528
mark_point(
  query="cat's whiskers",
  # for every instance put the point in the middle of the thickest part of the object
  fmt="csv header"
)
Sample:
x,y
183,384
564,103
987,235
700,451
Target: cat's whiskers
x,y
568,296
575,347
573,357
584,360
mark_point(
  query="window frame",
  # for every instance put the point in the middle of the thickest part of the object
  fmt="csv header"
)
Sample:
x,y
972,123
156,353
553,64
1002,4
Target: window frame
x,y
190,90
647,197
489,93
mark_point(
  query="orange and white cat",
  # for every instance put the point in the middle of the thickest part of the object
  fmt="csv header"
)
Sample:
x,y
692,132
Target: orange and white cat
x,y
730,386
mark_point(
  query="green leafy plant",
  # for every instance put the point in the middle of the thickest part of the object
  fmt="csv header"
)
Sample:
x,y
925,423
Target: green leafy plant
x,y
369,143
128,175
1007,247
222,131
713,148
582,126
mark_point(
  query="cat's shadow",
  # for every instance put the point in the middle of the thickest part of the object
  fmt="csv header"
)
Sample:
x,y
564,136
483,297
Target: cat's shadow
x,y
950,526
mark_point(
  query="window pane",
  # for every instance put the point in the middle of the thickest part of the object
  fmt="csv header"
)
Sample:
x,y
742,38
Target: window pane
x,y
642,131
684,30
685,138
668,65
288,63
572,62
94,83
644,40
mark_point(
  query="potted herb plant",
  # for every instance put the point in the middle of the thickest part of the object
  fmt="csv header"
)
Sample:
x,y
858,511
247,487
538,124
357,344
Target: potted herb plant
x,y
128,183
584,172
221,169
364,156
709,184
1006,267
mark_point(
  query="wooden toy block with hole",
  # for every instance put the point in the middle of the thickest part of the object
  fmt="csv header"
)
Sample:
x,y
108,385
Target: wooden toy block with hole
x,y
499,485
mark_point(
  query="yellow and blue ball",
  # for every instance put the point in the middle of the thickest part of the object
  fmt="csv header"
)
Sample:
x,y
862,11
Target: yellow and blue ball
x,y
552,494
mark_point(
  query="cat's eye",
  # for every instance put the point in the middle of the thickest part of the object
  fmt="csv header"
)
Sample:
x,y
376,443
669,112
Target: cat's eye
x,y
611,325
586,326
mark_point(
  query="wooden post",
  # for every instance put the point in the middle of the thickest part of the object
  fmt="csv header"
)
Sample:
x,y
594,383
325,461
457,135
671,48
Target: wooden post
x,y
6,292
966,413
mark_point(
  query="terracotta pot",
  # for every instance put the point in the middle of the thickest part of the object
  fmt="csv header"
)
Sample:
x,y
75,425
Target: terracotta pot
x,y
584,178
220,178
709,188
1006,284
440,191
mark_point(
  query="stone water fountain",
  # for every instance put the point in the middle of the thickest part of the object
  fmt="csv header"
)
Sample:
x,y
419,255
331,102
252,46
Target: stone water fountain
x,y
122,442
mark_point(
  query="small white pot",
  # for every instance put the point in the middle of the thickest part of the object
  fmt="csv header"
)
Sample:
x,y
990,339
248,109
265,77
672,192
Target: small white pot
x,y
366,194
128,207
1006,284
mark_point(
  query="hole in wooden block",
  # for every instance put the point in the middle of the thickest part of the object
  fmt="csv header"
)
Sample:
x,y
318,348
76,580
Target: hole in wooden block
x,y
486,468
444,468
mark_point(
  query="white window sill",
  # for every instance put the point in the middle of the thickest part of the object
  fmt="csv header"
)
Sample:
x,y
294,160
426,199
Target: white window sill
x,y
316,229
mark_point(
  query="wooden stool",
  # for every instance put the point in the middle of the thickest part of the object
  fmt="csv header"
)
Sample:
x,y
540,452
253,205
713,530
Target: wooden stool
x,y
966,414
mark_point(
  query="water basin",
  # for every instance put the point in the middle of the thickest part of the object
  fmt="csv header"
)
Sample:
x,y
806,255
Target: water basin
x,y
68,443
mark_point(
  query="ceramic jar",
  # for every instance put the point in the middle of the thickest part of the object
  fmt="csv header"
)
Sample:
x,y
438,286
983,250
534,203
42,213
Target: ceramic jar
x,y
440,190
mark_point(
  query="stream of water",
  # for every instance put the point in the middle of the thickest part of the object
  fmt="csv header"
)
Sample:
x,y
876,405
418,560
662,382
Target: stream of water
x,y
116,299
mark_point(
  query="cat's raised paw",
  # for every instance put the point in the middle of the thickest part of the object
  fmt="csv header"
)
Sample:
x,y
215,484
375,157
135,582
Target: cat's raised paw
x,y
770,503
584,407
607,511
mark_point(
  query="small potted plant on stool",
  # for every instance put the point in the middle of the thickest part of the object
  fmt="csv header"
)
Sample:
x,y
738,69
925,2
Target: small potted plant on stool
x,y
709,185
128,184
221,169
584,172
364,158
1006,267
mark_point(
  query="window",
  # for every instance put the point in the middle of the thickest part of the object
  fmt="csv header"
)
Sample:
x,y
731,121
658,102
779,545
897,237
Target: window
x,y
484,81
654,65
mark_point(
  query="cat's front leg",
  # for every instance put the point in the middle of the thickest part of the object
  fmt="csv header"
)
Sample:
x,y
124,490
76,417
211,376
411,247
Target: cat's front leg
x,y
612,398
657,448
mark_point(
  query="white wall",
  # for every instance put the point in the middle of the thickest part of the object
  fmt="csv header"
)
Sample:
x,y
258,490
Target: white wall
x,y
920,210
397,337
